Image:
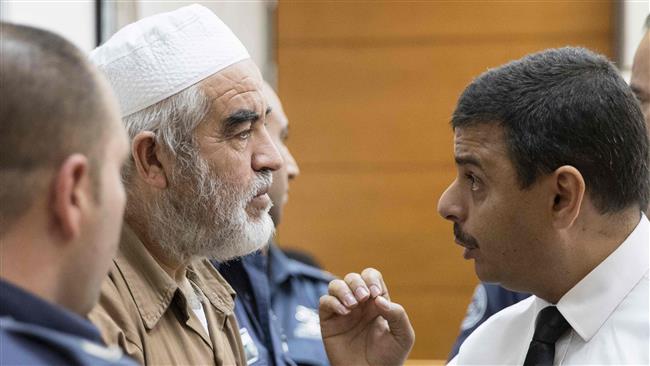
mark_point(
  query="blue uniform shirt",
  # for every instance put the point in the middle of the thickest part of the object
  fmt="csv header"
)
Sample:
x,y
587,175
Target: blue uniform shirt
x,y
263,340
35,332
276,307
296,289
488,299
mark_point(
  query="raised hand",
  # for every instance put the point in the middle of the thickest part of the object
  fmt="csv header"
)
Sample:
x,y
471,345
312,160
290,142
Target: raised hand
x,y
361,326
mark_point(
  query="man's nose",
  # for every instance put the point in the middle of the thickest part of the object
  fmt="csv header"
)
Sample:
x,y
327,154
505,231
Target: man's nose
x,y
450,205
292,166
266,155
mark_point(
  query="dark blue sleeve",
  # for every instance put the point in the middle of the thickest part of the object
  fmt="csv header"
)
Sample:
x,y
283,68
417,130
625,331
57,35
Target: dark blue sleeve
x,y
18,349
488,299
25,344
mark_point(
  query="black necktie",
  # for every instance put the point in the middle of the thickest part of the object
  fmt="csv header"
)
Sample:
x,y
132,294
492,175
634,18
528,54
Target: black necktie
x,y
549,328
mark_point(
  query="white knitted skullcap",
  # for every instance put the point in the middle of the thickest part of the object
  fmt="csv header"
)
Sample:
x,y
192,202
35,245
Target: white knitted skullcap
x,y
159,56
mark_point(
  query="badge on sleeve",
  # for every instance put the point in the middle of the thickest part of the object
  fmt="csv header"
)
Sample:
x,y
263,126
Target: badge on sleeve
x,y
250,349
308,323
109,354
476,309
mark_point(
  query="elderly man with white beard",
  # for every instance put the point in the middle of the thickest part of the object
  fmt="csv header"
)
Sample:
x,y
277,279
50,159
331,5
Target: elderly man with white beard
x,y
201,165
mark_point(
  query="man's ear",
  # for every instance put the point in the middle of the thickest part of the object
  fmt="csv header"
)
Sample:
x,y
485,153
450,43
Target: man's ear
x,y
149,160
569,188
71,195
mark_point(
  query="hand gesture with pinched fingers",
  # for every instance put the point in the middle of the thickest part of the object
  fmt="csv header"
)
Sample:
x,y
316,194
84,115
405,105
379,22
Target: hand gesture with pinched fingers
x,y
361,326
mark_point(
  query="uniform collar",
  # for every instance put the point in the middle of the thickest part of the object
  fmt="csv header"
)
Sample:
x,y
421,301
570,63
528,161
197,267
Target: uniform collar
x,y
280,268
607,285
25,307
153,290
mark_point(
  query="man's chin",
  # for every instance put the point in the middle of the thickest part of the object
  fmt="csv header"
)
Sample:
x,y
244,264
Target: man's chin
x,y
256,234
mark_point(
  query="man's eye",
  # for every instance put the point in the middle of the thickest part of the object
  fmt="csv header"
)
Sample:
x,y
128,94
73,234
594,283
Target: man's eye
x,y
473,180
244,135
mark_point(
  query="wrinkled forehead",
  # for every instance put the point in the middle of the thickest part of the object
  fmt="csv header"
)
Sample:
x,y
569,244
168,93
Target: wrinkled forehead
x,y
236,87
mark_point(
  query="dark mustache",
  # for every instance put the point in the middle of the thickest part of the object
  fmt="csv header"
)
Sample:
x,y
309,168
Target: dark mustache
x,y
464,238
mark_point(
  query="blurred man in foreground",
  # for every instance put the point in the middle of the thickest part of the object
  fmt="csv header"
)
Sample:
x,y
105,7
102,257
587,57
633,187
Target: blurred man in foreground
x,y
553,173
197,181
277,297
61,149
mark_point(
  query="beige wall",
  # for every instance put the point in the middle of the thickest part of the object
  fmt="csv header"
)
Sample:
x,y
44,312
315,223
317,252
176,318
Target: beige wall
x,y
369,88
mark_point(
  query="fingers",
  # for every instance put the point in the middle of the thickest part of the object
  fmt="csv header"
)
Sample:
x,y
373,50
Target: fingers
x,y
398,321
356,283
329,306
341,290
375,282
357,288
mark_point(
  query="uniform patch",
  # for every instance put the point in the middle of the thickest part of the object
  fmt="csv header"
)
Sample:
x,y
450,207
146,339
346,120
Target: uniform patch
x,y
250,349
476,309
109,354
308,323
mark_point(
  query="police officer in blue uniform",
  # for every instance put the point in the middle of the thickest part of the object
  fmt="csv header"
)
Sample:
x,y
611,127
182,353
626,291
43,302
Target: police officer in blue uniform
x,y
263,340
488,299
296,289
277,297
35,332
277,307
61,148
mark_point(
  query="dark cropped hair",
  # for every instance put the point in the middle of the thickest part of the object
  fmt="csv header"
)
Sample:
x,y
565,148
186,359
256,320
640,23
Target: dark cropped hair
x,y
566,106
51,106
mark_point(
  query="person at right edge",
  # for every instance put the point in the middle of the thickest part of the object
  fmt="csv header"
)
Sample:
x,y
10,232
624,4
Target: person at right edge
x,y
552,155
488,298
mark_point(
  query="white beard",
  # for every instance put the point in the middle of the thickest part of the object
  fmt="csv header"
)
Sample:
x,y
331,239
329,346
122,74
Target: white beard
x,y
202,214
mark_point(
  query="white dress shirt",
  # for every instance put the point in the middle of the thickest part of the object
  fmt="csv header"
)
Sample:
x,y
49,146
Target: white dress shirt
x,y
608,310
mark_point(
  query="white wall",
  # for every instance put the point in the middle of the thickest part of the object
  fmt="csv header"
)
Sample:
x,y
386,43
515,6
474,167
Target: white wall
x,y
73,20
634,13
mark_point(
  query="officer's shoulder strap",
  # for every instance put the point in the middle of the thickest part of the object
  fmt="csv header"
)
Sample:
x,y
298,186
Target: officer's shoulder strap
x,y
301,269
75,347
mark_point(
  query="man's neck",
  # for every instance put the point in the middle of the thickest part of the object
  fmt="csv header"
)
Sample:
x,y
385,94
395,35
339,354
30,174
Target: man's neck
x,y
593,239
36,264
175,268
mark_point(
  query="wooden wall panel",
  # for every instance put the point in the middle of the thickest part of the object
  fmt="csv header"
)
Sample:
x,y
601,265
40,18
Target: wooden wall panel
x,y
370,101
369,88
380,217
300,21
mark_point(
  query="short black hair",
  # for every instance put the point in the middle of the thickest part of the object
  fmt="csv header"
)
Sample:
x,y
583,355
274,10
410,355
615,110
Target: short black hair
x,y
51,106
566,106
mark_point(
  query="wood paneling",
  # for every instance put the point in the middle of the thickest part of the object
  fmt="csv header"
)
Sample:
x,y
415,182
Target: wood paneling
x,y
377,217
465,21
385,104
369,88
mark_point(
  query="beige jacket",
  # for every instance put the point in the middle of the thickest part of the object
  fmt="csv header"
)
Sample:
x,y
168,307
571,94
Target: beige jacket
x,y
142,310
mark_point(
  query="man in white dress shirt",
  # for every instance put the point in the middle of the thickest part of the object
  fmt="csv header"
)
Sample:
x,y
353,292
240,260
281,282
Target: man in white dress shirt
x,y
553,172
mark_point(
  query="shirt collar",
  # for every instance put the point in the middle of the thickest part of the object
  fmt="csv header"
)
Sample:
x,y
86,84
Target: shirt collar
x,y
153,289
279,265
25,307
215,288
607,285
